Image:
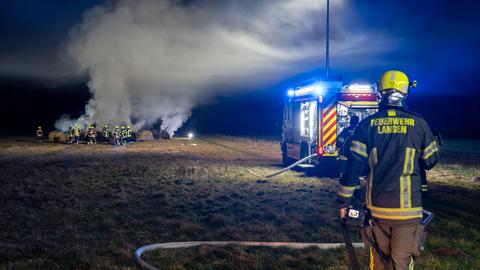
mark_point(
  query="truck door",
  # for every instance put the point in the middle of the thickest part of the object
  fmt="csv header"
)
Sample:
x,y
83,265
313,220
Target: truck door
x,y
308,126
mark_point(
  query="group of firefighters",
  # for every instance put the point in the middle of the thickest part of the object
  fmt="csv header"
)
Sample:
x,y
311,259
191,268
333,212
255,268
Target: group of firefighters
x,y
120,135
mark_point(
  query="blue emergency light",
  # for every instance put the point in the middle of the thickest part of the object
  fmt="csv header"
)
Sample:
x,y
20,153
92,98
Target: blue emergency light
x,y
315,88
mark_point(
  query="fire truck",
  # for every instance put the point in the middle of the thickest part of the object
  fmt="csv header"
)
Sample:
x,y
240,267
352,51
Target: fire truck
x,y
315,112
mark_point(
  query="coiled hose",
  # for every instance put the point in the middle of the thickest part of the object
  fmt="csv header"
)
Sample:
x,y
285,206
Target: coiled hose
x,y
176,245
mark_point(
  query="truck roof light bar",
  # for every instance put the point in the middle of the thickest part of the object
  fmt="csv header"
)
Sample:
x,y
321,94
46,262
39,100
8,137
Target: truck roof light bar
x,y
360,87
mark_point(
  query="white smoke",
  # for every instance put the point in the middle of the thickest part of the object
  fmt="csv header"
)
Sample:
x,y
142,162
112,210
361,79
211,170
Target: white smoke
x,y
151,60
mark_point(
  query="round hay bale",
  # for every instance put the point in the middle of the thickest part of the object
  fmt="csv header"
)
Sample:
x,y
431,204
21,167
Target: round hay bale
x,y
144,135
57,136
165,135
51,135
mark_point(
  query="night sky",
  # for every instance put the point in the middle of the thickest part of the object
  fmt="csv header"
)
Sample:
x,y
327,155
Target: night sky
x,y
435,42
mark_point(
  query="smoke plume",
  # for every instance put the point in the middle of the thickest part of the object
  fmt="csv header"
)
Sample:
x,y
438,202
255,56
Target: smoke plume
x,y
151,61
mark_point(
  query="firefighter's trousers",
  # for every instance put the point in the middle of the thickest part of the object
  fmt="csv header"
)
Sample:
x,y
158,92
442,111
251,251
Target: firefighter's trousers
x,y
396,243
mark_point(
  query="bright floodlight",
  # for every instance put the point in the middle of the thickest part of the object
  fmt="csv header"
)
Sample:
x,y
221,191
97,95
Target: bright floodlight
x,y
290,93
190,135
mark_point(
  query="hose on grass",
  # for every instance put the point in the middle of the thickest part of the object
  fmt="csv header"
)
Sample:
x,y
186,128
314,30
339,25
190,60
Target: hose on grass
x,y
291,166
176,245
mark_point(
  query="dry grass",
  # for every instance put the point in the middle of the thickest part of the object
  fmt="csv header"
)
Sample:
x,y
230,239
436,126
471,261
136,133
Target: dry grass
x,y
90,206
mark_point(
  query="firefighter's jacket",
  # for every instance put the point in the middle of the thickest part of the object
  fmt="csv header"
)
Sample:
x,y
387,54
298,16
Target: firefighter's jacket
x,y
397,145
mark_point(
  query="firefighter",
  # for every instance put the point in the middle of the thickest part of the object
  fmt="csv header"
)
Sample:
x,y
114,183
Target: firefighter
x,y
92,135
70,135
106,133
123,135
117,136
39,134
343,144
129,135
397,145
76,133
423,173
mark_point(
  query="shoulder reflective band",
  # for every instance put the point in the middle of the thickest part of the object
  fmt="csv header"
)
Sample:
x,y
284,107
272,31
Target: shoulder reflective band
x,y
359,148
430,150
345,191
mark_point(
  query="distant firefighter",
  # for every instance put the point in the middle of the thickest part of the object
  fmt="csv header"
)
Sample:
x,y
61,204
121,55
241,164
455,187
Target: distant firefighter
x,y
39,134
117,136
76,133
92,135
70,135
106,133
129,135
123,134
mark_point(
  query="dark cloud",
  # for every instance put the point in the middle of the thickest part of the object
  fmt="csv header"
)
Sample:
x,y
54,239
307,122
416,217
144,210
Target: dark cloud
x,y
32,33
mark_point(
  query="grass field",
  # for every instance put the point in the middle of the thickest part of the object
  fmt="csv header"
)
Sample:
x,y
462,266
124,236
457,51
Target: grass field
x,y
91,206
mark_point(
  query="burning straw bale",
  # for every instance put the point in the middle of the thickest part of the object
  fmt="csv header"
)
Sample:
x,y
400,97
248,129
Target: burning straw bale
x,y
145,135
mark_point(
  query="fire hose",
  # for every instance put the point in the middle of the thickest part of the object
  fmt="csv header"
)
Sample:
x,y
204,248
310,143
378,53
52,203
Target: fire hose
x,y
291,166
176,245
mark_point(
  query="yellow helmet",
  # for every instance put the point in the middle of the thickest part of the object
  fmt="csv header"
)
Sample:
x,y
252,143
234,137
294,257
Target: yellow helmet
x,y
116,126
123,126
128,127
396,80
